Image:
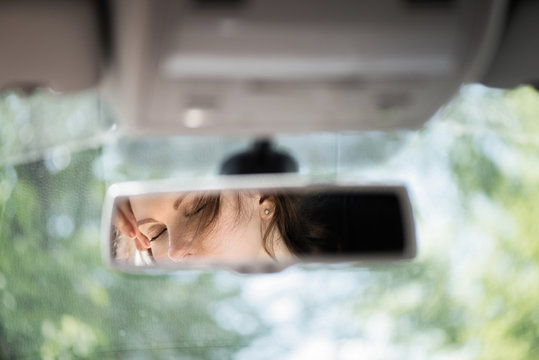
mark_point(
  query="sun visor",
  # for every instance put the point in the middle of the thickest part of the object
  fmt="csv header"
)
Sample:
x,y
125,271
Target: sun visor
x,y
260,67
53,44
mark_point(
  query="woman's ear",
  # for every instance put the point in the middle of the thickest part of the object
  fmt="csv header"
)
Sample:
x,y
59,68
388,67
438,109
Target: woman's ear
x,y
266,207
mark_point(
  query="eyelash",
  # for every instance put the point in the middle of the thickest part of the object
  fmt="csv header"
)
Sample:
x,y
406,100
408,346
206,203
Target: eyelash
x,y
190,214
158,235
193,213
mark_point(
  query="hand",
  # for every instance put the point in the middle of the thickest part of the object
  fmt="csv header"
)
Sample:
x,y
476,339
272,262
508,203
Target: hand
x,y
125,221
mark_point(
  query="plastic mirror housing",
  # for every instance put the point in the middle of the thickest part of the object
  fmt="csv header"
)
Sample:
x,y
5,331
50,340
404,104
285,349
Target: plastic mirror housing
x,y
365,223
259,67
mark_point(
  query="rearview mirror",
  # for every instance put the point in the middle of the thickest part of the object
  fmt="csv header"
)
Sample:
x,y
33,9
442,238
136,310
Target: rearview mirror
x,y
254,224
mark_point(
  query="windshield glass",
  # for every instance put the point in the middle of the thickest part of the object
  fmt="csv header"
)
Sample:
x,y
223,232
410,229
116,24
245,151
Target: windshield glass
x,y
472,292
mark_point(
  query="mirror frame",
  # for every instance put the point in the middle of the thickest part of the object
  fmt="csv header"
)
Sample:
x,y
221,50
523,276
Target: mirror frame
x,y
252,182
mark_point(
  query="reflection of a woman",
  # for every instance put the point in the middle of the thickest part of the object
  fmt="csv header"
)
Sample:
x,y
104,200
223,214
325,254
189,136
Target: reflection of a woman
x,y
227,226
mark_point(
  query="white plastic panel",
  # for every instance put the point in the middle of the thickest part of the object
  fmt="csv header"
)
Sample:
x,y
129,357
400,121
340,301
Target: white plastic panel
x,y
287,66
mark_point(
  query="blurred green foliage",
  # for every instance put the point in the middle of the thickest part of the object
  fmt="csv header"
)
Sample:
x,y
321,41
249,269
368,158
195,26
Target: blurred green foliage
x,y
472,293
476,295
56,298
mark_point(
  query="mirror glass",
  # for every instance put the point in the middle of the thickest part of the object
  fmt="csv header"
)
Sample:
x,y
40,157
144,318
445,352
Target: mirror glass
x,y
248,227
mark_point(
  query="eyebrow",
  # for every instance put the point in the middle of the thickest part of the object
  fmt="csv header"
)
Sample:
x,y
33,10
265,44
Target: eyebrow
x,y
145,221
150,220
177,203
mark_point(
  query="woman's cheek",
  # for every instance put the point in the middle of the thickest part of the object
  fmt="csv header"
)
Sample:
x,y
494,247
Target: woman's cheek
x,y
160,248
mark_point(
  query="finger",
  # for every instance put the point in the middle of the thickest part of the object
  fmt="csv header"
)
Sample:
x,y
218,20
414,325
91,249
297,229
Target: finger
x,y
127,219
140,245
124,225
143,240
125,208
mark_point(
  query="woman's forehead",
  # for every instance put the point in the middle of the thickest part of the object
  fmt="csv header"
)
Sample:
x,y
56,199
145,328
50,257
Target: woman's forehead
x,y
155,203
149,204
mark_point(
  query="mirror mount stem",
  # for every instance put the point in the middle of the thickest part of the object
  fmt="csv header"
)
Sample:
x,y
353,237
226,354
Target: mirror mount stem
x,y
261,158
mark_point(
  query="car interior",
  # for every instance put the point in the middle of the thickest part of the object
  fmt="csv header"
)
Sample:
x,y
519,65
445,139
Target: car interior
x,y
256,179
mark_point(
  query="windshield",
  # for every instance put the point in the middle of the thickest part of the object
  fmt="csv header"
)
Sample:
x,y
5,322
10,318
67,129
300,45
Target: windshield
x,y
472,292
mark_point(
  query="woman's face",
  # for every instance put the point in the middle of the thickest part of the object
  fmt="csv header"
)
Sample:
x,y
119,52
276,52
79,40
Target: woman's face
x,y
171,224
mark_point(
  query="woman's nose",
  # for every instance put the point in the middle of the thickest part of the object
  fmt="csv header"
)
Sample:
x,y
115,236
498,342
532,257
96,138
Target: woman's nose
x,y
176,249
175,254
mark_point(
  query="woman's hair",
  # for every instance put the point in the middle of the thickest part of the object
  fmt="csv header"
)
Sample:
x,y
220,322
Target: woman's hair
x,y
290,220
299,233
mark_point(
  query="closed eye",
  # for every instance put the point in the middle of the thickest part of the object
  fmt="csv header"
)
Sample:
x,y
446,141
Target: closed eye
x,y
158,235
196,211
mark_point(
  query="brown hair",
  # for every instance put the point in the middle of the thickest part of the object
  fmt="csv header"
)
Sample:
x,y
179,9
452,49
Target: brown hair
x,y
298,232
